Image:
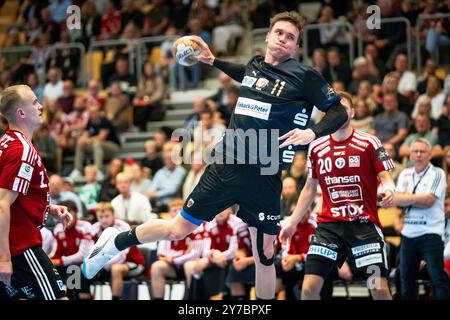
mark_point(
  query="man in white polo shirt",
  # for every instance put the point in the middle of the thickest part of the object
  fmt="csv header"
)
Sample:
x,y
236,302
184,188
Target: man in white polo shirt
x,y
421,191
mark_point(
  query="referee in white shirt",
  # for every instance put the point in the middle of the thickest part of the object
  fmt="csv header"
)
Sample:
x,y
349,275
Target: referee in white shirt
x,y
421,192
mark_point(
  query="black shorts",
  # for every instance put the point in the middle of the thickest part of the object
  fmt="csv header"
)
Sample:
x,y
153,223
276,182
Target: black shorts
x,y
334,242
34,277
223,185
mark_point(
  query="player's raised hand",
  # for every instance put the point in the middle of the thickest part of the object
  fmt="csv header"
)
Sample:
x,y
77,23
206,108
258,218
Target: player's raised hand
x,y
297,137
6,271
62,214
205,55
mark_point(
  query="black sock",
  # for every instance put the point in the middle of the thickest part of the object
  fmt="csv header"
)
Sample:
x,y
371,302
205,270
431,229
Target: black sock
x,y
126,239
115,298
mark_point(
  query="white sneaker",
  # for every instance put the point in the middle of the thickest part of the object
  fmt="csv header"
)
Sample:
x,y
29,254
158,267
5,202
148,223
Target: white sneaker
x,y
100,253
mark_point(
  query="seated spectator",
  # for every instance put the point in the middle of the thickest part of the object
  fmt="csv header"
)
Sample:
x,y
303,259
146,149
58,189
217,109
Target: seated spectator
x,y
53,89
423,130
130,206
49,26
390,86
67,99
47,146
330,34
94,92
58,195
117,108
376,65
108,188
208,273
131,13
407,84
241,275
100,139
74,125
91,23
198,167
67,59
392,125
167,181
74,243
319,60
201,9
172,255
435,94
438,35
431,69
198,105
110,24
363,117
361,73
365,93
32,81
157,19
289,196
122,75
220,100
129,263
424,109
40,53
230,27
58,10
443,124
207,133
90,191
337,70
148,102
140,183
166,65
153,160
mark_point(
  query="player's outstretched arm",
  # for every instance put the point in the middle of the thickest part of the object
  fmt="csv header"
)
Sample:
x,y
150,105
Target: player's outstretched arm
x,y
303,204
7,197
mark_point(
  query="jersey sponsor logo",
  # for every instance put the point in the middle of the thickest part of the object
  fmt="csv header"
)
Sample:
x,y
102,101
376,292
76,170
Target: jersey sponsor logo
x,y
60,285
344,193
262,216
248,81
342,179
261,83
361,143
349,210
354,161
26,171
415,219
288,155
368,260
328,91
365,249
356,147
322,251
382,154
301,119
253,108
340,163
324,152
339,153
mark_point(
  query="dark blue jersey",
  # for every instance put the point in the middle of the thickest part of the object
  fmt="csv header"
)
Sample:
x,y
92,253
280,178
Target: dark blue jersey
x,y
272,101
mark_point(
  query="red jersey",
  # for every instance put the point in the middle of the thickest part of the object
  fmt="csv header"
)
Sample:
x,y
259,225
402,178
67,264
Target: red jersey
x,y
348,176
22,171
222,237
301,239
244,238
73,243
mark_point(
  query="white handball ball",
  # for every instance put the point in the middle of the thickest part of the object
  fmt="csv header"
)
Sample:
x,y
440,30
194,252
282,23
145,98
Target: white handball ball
x,y
183,49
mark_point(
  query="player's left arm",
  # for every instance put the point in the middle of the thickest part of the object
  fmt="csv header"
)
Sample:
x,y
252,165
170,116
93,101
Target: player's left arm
x,y
61,213
388,189
319,93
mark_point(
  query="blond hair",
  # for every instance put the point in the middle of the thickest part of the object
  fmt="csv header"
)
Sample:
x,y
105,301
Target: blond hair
x,y
9,100
104,206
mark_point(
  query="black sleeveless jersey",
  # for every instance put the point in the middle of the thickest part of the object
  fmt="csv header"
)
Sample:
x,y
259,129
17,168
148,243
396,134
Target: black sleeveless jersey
x,y
272,101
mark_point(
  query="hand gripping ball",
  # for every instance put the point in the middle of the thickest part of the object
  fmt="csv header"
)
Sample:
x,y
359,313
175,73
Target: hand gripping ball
x,y
183,49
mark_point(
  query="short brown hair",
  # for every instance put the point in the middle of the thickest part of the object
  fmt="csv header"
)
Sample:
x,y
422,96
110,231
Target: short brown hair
x,y
71,206
346,96
291,16
104,206
9,99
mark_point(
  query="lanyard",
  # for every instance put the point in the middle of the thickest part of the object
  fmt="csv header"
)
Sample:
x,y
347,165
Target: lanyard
x,y
415,187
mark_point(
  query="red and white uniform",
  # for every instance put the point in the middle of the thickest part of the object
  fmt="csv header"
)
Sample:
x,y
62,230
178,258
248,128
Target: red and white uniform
x,y
222,237
187,249
22,170
301,239
244,239
348,176
121,226
73,243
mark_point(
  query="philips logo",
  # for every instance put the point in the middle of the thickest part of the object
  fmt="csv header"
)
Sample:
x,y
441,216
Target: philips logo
x,y
323,251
